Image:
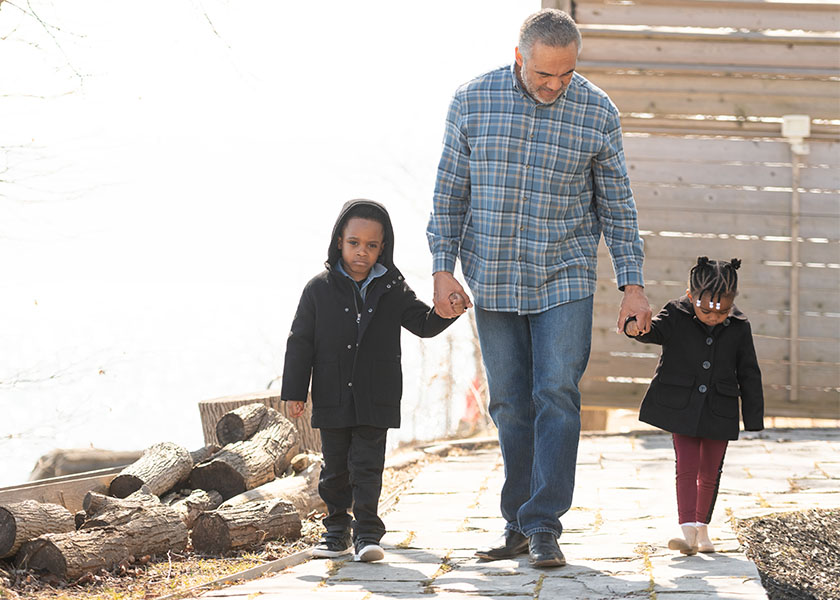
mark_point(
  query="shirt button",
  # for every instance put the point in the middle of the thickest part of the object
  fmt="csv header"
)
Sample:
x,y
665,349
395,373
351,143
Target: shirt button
x,y
709,341
521,228
706,364
527,166
702,389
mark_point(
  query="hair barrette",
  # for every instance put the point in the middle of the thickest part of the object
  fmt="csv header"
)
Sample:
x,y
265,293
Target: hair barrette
x,y
697,303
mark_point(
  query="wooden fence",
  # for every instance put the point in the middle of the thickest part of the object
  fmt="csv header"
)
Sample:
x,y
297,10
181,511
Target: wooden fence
x,y
702,86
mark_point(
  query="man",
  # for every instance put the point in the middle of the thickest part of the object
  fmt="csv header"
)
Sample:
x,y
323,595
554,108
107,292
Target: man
x,y
532,172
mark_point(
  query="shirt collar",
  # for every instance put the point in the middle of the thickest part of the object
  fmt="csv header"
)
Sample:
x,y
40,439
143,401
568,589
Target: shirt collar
x,y
378,270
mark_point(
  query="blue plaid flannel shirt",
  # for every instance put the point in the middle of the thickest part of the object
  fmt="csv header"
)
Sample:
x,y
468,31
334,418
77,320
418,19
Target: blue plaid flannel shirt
x,y
525,190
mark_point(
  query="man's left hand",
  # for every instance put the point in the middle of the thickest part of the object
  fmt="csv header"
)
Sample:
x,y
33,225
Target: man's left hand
x,y
634,304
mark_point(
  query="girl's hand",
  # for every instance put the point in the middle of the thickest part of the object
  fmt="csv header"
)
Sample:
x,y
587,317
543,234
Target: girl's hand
x,y
457,302
631,329
296,408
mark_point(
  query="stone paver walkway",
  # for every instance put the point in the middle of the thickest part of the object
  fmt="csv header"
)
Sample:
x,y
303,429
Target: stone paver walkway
x,y
615,536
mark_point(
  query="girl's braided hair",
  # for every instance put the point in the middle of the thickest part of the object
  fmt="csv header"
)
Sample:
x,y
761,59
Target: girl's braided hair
x,y
717,277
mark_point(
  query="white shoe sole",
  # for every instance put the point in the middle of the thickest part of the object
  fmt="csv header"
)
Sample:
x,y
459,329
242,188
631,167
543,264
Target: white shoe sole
x,y
370,553
318,553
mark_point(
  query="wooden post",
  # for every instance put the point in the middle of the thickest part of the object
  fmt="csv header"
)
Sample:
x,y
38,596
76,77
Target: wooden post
x,y
213,410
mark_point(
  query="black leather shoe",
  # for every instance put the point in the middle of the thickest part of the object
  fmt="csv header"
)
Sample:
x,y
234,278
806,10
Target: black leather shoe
x,y
543,551
511,544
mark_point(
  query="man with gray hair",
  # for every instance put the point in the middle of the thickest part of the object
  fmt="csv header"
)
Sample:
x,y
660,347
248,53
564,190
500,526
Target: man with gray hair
x,y
532,172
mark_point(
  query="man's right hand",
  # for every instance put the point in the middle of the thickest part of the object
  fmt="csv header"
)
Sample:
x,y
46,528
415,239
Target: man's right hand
x,y
445,285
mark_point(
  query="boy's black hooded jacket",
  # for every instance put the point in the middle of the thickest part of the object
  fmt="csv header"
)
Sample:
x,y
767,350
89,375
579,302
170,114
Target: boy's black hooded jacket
x,y
355,369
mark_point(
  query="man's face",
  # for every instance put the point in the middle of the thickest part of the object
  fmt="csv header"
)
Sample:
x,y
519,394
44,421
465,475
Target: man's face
x,y
547,71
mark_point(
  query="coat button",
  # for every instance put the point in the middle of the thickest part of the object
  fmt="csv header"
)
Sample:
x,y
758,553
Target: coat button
x,y
706,364
349,346
388,286
350,384
709,341
346,309
726,322
370,310
702,389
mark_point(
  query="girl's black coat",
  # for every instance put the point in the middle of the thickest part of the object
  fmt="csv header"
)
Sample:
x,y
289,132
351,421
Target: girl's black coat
x,y
700,375
355,369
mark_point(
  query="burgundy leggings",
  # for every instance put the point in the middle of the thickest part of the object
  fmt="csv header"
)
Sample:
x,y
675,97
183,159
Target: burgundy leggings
x,y
699,465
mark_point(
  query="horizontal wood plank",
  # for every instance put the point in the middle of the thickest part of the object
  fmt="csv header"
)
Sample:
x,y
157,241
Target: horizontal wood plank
x,y
653,196
747,175
661,219
718,126
69,491
693,13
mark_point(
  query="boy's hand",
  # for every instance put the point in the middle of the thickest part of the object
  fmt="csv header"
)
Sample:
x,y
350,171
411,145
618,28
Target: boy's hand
x,y
457,302
296,408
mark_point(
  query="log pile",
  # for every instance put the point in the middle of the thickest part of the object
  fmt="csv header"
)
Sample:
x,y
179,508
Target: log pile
x,y
171,497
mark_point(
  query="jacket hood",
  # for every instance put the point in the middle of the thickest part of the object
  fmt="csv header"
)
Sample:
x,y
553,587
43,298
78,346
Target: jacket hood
x,y
387,257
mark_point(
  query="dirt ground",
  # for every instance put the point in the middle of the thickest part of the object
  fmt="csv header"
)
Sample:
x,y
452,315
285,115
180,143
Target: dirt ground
x,y
797,554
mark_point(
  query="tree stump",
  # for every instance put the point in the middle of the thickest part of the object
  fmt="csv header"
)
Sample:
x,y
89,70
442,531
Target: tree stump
x,y
23,521
245,526
301,490
150,529
240,423
244,465
160,468
213,410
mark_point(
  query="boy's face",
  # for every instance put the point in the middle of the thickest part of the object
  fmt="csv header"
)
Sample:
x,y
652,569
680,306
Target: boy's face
x,y
711,311
361,244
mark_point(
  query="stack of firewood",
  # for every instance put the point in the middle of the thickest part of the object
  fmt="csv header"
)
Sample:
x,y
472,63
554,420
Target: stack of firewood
x,y
253,489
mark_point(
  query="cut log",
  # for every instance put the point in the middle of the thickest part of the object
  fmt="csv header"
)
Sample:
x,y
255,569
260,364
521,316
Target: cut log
x,y
160,468
105,511
213,410
204,453
23,521
245,526
151,529
244,465
196,503
301,490
240,423
60,462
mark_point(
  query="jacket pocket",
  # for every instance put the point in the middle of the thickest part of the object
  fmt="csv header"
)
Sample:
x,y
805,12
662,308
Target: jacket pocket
x,y
725,401
673,390
326,384
387,381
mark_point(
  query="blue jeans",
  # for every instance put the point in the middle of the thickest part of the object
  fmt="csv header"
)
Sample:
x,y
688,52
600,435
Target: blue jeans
x,y
534,364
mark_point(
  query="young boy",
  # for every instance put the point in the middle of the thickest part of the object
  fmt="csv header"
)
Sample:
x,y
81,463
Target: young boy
x,y
345,338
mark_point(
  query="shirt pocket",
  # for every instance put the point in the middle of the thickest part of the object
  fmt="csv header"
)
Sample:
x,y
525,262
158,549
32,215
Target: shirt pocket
x,y
725,401
326,384
673,390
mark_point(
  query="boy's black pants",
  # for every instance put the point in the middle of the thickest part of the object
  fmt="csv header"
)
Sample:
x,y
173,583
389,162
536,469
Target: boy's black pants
x,y
354,458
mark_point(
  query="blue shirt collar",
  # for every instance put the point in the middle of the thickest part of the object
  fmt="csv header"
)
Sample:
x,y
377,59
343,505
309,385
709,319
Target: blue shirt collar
x,y
378,270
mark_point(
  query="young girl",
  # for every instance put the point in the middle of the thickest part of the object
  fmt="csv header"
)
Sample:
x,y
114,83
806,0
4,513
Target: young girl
x,y
345,338
707,361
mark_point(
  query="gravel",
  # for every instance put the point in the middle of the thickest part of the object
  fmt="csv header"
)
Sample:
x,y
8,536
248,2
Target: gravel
x,y
797,553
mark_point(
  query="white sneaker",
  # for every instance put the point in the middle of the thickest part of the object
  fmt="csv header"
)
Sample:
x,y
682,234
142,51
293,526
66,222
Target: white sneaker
x,y
368,552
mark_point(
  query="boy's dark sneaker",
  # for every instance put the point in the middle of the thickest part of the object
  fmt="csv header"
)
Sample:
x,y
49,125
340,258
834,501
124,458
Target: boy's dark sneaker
x,y
368,551
331,546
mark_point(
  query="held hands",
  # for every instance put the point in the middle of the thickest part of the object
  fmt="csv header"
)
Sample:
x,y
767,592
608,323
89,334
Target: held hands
x,y
296,408
631,329
446,288
634,304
